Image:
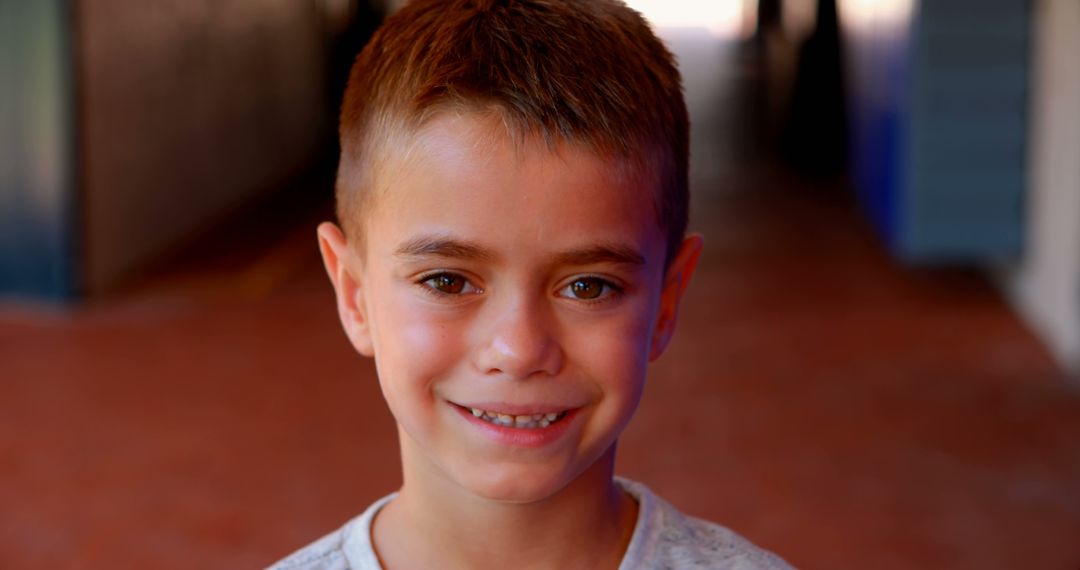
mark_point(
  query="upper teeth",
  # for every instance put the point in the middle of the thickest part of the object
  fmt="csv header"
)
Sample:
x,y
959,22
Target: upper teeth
x,y
525,421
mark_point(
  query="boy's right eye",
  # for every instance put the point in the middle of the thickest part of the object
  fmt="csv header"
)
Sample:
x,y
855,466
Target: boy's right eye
x,y
448,284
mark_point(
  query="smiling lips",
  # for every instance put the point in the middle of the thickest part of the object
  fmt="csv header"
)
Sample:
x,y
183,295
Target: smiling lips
x,y
524,421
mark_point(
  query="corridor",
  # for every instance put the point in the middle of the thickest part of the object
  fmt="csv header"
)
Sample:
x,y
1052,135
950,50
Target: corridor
x,y
825,402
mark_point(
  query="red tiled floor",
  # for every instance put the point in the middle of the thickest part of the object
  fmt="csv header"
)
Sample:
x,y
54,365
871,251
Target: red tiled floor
x,y
831,406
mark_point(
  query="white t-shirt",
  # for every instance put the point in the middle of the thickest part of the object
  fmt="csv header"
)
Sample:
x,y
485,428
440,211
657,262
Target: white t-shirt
x,y
663,538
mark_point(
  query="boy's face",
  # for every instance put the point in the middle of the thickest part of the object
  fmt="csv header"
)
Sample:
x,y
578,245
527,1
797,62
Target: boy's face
x,y
526,287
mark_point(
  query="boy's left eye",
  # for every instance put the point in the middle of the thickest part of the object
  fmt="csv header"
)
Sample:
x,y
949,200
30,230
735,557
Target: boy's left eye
x,y
589,289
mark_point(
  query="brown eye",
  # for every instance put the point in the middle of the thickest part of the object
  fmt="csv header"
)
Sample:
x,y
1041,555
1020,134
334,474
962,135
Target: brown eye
x,y
587,288
446,283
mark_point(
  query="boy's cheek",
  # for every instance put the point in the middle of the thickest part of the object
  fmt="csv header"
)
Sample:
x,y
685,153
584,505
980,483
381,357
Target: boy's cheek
x,y
415,344
616,352
411,360
418,343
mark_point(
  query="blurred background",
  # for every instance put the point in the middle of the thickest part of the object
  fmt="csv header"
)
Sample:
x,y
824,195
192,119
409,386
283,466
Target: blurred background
x,y
877,366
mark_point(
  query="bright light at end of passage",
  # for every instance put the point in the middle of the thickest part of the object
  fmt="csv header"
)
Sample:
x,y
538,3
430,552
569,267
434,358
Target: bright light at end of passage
x,y
723,18
863,14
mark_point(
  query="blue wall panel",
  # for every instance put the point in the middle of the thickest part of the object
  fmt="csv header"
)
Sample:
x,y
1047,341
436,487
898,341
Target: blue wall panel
x,y
37,199
879,78
946,183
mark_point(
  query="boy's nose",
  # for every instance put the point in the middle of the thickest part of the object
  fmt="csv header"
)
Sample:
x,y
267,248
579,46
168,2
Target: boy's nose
x,y
521,344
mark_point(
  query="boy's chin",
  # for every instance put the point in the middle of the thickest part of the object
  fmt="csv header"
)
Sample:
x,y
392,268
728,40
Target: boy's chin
x,y
524,483
518,485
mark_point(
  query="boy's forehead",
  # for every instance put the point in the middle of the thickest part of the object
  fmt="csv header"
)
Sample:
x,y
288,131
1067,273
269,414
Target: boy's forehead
x,y
460,135
459,157
473,140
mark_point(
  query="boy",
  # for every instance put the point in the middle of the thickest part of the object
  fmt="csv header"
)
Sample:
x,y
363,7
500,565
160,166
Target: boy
x,y
513,194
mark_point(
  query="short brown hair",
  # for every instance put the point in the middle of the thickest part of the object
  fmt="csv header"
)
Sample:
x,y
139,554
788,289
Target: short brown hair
x,y
588,72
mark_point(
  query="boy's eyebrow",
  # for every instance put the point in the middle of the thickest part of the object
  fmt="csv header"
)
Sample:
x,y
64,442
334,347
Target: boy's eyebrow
x,y
443,247
609,253
448,247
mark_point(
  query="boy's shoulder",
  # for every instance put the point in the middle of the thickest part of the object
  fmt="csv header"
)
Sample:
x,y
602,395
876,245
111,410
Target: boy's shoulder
x,y
663,538
667,538
347,548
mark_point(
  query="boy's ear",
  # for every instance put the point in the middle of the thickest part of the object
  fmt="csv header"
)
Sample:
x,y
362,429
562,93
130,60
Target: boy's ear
x,y
342,266
676,279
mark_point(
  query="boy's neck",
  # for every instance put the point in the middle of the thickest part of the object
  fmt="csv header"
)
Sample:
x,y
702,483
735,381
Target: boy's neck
x,y
434,522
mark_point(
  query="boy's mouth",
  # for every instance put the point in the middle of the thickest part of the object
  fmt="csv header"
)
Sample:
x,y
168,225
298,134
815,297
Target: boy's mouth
x,y
526,421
